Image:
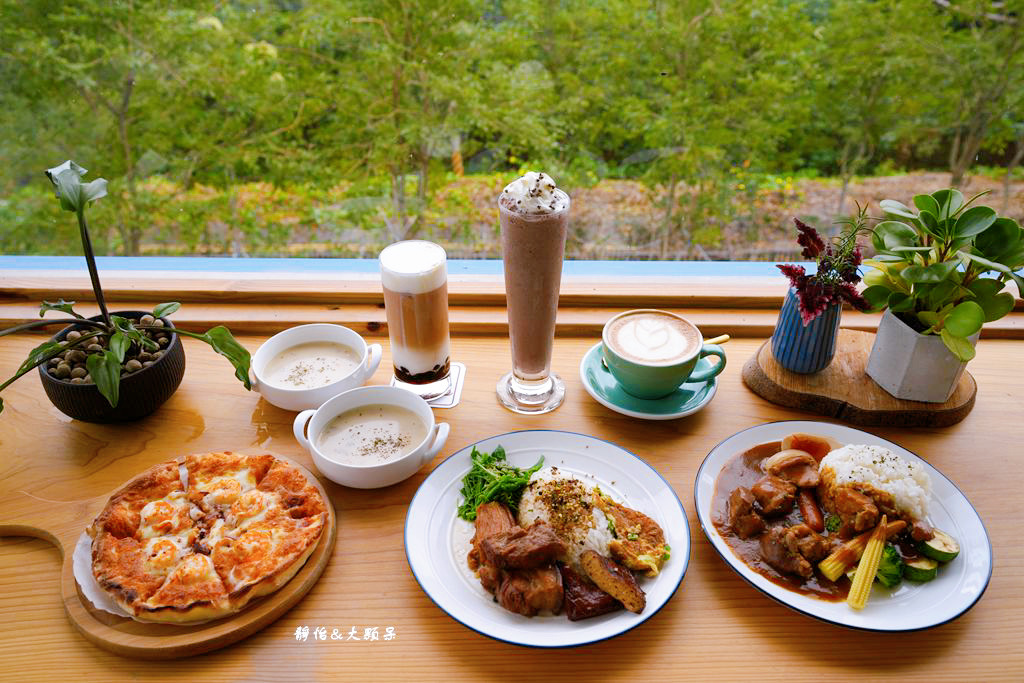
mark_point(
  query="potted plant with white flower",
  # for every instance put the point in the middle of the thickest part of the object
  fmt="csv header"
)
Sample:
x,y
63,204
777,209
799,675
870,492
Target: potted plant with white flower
x,y
116,366
939,274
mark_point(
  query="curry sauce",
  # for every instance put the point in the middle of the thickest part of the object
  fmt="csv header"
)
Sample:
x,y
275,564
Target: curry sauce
x,y
745,470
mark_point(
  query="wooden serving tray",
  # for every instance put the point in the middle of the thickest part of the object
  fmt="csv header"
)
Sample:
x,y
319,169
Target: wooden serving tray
x,y
844,390
62,523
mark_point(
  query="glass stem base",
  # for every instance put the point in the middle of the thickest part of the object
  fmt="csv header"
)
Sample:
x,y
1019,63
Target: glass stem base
x,y
531,398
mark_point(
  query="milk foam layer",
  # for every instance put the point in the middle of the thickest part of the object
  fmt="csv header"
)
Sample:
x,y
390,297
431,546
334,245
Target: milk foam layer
x,y
534,193
653,338
413,267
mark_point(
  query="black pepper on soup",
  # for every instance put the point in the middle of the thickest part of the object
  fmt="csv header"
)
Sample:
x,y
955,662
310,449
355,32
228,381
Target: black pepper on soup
x,y
311,365
371,435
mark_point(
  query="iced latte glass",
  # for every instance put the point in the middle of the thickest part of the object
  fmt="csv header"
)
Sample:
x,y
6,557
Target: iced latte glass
x,y
414,275
534,217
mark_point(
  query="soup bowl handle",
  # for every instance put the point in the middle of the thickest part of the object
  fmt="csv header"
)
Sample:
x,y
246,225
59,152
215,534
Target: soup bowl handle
x,y
299,428
440,437
373,356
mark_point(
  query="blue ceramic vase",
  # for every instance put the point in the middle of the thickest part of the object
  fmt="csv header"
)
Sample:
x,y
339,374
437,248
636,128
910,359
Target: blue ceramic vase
x,y
805,349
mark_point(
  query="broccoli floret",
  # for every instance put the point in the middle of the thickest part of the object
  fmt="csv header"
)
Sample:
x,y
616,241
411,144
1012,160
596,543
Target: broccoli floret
x,y
890,568
832,523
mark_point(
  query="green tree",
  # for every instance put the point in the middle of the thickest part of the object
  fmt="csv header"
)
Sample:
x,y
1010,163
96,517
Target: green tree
x,y
865,81
979,57
734,92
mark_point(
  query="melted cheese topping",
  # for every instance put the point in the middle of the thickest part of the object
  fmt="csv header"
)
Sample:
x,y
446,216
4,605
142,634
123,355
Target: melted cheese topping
x,y
169,515
253,507
217,532
224,489
194,569
162,554
255,554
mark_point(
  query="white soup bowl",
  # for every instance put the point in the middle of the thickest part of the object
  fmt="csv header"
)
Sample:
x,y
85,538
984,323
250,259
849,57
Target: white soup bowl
x,y
309,424
304,399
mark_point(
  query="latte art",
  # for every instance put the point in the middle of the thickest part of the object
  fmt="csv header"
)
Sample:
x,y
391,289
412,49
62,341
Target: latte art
x,y
653,338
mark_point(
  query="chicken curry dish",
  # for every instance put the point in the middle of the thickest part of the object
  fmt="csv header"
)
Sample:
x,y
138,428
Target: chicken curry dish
x,y
810,514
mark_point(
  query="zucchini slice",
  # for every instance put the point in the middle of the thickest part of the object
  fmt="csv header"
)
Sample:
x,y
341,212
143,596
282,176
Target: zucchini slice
x,y
942,547
920,570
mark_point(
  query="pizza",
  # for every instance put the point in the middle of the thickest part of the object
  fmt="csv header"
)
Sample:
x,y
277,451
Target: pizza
x,y
198,538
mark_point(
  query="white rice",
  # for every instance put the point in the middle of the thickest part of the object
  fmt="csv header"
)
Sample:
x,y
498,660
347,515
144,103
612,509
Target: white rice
x,y
590,532
907,482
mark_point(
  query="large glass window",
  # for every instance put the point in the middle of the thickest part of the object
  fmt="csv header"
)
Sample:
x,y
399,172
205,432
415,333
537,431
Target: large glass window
x,y
683,129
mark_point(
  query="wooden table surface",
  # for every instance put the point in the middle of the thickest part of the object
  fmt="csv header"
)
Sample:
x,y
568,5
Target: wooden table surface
x,y
715,627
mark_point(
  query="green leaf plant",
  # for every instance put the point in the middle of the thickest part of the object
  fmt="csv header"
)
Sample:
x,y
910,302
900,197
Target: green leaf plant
x,y
103,345
941,267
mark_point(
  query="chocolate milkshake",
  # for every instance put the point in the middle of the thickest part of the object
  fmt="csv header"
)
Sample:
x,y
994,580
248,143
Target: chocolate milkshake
x,y
534,217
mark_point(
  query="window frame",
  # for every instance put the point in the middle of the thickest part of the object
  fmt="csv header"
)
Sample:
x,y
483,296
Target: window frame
x,y
263,296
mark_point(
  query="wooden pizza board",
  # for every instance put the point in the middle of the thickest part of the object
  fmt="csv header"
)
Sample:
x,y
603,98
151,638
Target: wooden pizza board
x,y
844,390
62,523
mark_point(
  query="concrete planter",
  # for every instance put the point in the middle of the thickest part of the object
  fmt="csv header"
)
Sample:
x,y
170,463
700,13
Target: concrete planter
x,y
913,366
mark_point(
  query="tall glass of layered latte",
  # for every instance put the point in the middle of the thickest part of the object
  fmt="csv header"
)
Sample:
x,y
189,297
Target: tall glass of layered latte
x,y
414,274
534,217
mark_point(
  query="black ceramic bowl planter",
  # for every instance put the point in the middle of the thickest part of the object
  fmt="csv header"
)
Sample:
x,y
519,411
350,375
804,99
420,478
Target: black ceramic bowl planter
x,y
140,392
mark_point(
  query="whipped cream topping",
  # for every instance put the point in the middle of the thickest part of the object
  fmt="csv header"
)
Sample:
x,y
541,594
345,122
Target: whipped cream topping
x,y
534,192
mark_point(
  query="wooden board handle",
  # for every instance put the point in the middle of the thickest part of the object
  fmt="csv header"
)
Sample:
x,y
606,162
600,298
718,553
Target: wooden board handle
x,y
59,522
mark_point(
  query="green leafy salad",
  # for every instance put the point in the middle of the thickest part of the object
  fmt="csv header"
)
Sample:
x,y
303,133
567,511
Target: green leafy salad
x,y
493,479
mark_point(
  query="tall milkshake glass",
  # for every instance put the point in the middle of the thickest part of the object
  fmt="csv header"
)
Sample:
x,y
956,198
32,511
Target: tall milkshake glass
x,y
534,218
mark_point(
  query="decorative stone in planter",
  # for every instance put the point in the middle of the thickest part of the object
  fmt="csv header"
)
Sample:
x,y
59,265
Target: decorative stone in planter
x,y
913,366
140,392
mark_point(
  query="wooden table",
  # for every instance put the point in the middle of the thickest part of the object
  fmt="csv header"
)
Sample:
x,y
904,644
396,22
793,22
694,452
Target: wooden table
x,y
716,627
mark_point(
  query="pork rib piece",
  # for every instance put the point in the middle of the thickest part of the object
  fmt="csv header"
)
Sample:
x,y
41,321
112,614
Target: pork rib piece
x,y
528,591
583,599
491,519
520,548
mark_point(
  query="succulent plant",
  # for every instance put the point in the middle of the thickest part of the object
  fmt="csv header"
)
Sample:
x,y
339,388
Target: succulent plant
x,y
942,268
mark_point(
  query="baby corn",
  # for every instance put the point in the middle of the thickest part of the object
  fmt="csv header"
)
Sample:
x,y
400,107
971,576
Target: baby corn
x,y
868,567
834,566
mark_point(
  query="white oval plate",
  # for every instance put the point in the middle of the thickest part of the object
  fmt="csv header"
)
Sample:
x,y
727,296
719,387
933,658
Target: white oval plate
x,y
909,606
431,528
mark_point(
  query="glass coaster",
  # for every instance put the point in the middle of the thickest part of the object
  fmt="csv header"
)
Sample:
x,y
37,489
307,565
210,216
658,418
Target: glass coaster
x,y
450,398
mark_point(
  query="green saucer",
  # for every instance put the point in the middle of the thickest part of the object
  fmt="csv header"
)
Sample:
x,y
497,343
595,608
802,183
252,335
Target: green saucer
x,y
687,399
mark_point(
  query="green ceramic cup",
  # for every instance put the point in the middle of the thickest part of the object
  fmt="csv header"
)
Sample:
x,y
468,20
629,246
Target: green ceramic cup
x,y
655,379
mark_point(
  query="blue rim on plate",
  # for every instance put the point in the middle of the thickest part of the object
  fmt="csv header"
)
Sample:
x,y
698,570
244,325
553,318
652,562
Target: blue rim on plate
x,y
912,607
431,525
602,387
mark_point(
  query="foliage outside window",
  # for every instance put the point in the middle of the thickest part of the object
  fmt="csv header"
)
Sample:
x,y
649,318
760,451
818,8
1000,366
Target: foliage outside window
x,y
684,129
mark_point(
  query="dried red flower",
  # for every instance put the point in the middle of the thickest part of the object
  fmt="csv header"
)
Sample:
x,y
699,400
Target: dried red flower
x,y
836,275
809,239
849,294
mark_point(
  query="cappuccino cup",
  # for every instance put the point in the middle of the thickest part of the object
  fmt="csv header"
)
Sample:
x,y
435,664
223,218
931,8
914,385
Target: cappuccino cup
x,y
650,353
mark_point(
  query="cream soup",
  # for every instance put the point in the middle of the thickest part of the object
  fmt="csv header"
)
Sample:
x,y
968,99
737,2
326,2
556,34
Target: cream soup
x,y
311,365
371,435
